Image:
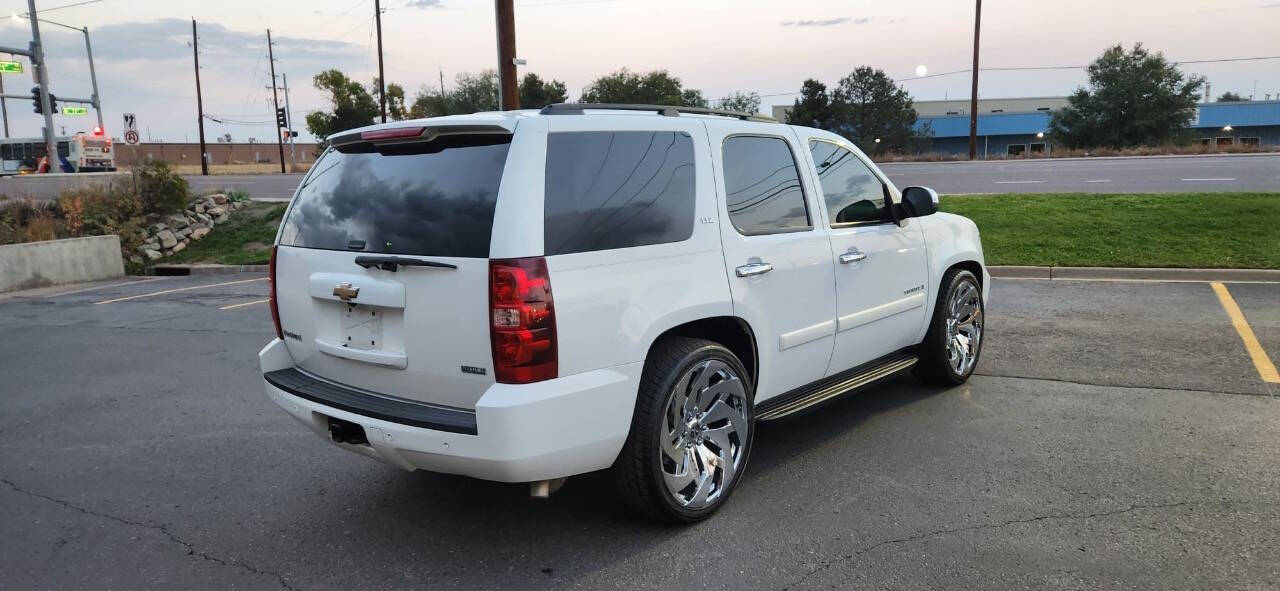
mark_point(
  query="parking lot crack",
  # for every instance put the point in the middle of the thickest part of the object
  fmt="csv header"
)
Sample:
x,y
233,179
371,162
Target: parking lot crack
x,y
1268,393
981,526
162,528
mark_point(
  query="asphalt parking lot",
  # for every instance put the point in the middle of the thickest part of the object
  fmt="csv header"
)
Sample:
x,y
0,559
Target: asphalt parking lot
x,y
1117,435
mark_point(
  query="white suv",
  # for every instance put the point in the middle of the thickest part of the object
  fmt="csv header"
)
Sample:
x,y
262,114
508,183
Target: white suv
x,y
529,295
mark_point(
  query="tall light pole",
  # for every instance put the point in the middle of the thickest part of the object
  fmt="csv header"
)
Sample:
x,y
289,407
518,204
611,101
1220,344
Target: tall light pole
x,y
88,48
293,156
973,96
275,98
382,77
42,77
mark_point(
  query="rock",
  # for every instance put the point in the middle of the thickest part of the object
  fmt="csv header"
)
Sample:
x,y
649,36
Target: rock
x,y
203,219
152,254
199,208
167,239
177,221
180,247
182,235
135,259
158,227
144,247
216,211
220,219
199,232
219,198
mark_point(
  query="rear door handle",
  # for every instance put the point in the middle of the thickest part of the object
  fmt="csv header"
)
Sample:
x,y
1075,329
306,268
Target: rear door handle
x,y
750,269
852,257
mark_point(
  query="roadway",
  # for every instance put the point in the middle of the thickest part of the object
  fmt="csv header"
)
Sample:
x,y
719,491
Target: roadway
x,y
1116,435
1152,174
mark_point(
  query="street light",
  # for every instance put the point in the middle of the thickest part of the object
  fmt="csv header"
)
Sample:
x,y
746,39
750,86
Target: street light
x,y
1227,129
93,75
1039,135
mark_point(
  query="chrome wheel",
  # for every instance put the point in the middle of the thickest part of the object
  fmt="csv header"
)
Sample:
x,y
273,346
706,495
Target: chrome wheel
x,y
705,431
964,327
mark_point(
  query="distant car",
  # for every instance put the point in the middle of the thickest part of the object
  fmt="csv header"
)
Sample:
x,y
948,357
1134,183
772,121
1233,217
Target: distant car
x,y
530,295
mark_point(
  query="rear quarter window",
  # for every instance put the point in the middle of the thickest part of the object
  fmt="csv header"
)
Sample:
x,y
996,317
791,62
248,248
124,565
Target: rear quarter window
x,y
618,189
424,198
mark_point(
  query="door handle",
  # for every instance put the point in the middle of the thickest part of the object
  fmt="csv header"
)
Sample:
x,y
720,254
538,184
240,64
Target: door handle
x,y
852,257
750,269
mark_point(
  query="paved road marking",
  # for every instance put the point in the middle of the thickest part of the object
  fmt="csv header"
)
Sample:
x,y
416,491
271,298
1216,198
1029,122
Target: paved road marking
x,y
245,304
1216,179
1018,182
156,293
1099,181
1266,369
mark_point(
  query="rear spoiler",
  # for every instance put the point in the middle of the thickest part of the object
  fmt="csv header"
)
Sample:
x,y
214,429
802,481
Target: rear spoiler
x,y
411,133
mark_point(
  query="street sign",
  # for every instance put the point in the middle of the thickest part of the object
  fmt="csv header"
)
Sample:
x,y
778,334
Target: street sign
x,y
131,137
131,124
10,67
75,110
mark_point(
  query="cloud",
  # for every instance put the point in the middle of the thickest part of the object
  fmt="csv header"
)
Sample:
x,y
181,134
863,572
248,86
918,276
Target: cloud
x,y
825,22
1271,5
424,4
169,38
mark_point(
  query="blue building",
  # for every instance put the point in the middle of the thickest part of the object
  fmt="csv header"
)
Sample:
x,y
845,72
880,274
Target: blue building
x,y
1005,133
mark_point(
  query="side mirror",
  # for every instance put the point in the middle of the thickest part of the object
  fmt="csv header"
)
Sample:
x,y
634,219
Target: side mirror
x,y
919,201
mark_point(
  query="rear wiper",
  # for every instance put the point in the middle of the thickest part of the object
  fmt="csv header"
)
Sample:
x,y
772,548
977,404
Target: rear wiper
x,y
391,263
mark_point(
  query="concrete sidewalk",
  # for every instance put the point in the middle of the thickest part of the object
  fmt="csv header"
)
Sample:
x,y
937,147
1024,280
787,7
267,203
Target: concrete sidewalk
x,y
1134,273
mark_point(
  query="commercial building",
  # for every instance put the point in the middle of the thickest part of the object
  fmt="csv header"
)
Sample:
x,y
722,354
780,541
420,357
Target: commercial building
x,y
1020,126
219,152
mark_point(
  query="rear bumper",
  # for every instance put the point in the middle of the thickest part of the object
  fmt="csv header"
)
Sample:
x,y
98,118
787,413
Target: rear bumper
x,y
528,432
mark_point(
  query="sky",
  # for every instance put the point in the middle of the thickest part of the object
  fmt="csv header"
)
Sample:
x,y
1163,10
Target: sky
x,y
144,61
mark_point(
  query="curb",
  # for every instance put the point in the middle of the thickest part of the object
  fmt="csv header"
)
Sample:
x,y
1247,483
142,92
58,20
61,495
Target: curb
x,y
1134,273
207,269
1082,158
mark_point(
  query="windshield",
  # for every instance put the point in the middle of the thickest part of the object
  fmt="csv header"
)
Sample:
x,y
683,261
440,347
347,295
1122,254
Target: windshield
x,y
424,198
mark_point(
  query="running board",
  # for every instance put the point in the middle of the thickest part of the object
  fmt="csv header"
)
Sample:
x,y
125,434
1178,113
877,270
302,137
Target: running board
x,y
824,390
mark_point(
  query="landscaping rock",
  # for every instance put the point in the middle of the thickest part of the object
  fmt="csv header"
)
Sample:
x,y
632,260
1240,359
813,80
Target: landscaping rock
x,y
180,247
204,219
152,254
183,233
176,221
135,259
199,232
157,227
216,211
219,198
220,219
198,208
167,239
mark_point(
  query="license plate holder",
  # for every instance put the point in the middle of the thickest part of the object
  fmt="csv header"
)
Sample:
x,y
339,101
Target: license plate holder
x,y
362,328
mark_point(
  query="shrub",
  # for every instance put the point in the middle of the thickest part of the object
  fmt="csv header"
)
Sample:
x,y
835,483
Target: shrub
x,y
238,195
161,189
40,227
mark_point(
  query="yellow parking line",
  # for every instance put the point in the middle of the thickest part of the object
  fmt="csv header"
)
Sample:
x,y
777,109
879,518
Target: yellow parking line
x,y
156,293
244,304
1266,368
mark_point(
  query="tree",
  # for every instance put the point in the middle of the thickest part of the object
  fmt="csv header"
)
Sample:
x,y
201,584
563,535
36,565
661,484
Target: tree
x,y
1134,98
536,93
472,93
352,105
396,110
742,102
651,88
1231,97
865,106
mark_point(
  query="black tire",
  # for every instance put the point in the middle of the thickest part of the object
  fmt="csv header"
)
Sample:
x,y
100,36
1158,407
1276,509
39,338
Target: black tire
x,y
638,471
934,366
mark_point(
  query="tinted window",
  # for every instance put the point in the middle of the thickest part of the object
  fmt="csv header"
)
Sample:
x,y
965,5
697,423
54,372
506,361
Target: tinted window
x,y
762,186
851,191
617,189
424,198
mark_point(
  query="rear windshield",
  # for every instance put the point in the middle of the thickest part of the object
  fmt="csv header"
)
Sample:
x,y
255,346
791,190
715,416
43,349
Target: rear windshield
x,y
424,198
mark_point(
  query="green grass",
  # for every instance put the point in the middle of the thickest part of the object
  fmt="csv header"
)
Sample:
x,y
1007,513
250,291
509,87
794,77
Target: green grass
x,y
245,239
1220,230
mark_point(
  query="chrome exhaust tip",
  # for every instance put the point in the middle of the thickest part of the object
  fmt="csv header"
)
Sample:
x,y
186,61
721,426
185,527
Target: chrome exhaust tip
x,y
542,489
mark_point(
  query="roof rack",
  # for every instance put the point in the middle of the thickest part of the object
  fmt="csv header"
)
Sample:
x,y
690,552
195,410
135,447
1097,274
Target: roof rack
x,y
665,110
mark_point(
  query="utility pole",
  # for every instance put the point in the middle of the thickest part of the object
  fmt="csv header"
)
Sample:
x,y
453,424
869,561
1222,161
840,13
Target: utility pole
x,y
973,97
382,77
4,109
508,95
442,83
195,51
293,156
93,77
42,78
275,98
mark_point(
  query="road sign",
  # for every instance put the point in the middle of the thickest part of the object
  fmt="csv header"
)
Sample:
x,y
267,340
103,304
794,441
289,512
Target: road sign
x,y
75,110
131,137
131,124
10,67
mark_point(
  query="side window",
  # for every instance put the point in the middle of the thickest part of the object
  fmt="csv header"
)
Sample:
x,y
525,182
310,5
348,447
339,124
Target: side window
x,y
852,193
617,189
762,186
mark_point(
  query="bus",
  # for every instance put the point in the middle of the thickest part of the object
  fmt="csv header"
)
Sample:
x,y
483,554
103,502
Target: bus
x,y
77,153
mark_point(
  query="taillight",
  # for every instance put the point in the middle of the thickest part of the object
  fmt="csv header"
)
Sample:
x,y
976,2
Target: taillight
x,y
522,321
271,291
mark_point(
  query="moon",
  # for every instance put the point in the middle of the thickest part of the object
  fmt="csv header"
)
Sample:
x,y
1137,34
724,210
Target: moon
x,y
921,70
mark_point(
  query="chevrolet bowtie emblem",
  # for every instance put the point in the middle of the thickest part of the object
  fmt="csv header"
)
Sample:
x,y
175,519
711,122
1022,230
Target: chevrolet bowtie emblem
x,y
345,292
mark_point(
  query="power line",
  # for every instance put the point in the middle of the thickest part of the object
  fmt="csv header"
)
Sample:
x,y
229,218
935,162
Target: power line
x,y
44,10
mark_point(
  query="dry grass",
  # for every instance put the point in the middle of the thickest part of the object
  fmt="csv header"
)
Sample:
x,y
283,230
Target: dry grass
x,y
1057,152
267,168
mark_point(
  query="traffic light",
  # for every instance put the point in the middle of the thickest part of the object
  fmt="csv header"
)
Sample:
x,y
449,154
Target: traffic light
x,y
35,101
282,119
